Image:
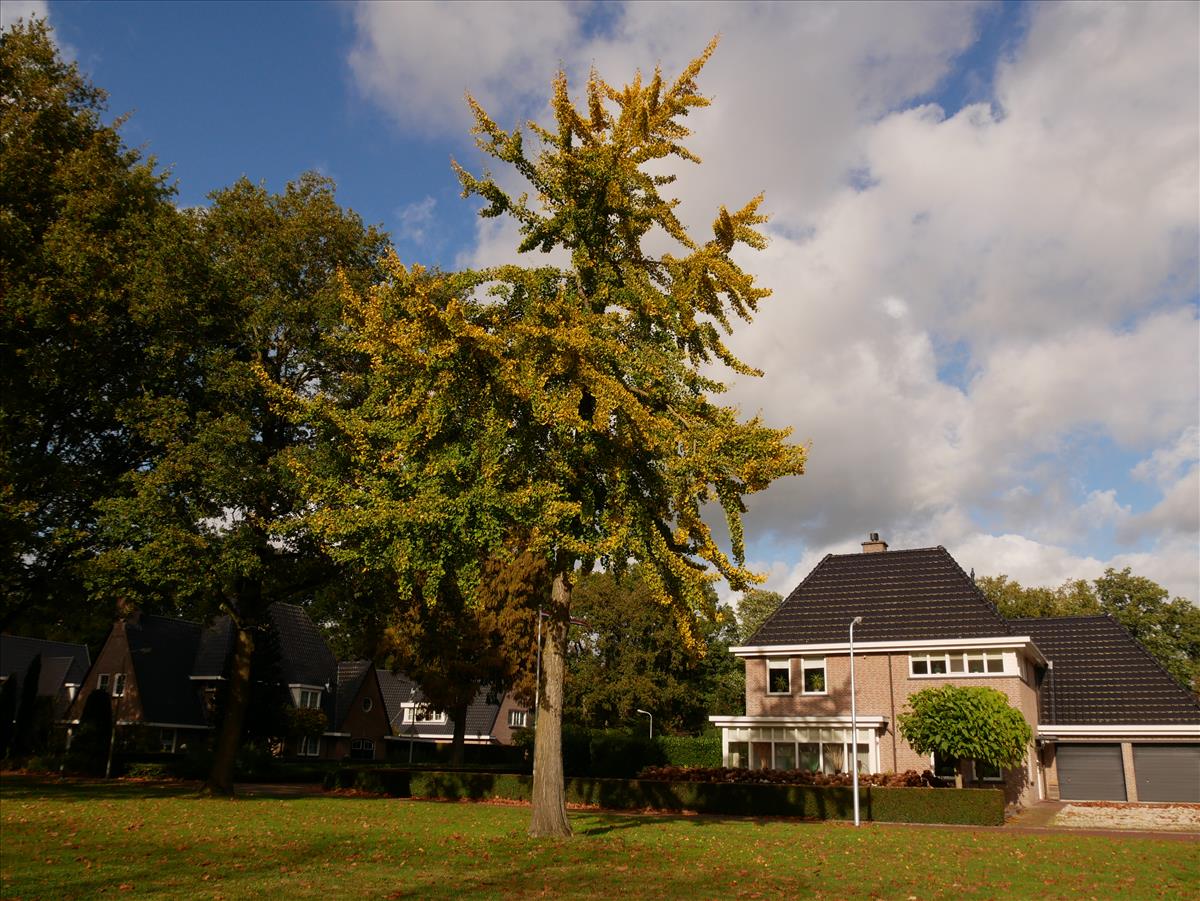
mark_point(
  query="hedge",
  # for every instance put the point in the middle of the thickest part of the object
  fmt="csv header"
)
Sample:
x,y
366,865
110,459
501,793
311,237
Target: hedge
x,y
978,807
691,750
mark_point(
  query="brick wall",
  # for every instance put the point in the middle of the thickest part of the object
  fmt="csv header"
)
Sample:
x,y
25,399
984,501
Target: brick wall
x,y
883,686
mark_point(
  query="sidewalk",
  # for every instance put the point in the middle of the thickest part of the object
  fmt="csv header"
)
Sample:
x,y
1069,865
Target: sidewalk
x,y
1041,818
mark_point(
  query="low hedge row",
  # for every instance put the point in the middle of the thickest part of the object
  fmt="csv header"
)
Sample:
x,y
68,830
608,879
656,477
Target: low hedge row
x,y
976,807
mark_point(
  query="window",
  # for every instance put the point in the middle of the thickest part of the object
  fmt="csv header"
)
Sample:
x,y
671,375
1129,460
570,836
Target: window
x,y
102,682
986,772
739,754
945,767
310,746
422,713
518,719
362,749
119,685
810,756
814,675
310,698
166,741
779,677
368,705
941,663
785,756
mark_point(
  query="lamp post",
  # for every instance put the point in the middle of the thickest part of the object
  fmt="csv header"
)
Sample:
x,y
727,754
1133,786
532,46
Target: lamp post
x,y
857,621
651,715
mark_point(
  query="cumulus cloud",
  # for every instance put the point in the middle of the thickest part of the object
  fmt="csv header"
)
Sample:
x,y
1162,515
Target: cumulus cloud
x,y
967,302
11,10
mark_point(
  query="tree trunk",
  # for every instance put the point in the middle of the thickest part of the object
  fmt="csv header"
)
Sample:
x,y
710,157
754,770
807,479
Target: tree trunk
x,y
220,778
549,794
457,746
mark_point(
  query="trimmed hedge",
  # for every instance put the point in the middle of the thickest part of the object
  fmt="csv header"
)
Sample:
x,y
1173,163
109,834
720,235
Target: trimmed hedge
x,y
977,807
691,750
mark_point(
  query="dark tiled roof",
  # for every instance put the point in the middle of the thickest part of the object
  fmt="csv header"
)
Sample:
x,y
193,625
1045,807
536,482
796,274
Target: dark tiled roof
x,y
1103,676
216,644
305,658
905,595
62,662
350,675
17,652
398,690
163,650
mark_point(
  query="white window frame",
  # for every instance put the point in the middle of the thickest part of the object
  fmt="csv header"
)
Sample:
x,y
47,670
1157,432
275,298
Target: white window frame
x,y
979,777
518,719
163,744
304,695
310,746
958,664
102,681
776,664
118,684
422,715
814,663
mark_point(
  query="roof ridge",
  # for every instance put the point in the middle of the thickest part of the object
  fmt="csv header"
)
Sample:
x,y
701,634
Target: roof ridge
x,y
889,551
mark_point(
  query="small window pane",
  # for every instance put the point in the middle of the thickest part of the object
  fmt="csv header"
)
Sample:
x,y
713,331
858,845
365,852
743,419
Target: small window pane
x,y
814,678
739,752
834,757
920,667
975,664
864,758
956,663
937,665
995,663
810,757
944,767
760,752
986,771
779,680
785,756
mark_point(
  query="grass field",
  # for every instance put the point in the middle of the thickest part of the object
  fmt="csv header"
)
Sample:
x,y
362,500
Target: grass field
x,y
73,840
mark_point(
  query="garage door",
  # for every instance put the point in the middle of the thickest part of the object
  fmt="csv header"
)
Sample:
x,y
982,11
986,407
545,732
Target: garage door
x,y
1090,773
1167,772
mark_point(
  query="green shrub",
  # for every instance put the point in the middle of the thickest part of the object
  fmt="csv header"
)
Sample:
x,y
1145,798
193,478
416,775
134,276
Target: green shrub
x,y
691,750
619,755
980,807
149,770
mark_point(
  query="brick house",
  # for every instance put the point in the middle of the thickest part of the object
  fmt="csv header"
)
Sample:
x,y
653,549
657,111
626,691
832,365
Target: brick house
x,y
925,623
165,676
490,721
61,671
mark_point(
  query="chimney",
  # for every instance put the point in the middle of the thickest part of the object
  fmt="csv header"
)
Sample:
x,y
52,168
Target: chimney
x,y
874,545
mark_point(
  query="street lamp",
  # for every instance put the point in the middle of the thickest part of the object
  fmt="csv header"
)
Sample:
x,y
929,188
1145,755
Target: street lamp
x,y
857,621
651,715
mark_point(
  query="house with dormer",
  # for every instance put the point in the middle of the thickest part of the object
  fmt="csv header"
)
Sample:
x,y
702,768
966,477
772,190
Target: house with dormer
x,y
1108,722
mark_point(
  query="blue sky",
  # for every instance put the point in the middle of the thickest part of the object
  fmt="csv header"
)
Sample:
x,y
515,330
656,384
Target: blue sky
x,y
984,227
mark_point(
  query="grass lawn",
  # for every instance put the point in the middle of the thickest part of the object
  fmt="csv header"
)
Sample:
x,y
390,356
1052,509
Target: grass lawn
x,y
81,840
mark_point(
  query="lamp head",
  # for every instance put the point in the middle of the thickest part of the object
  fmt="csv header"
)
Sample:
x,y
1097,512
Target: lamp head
x,y
857,621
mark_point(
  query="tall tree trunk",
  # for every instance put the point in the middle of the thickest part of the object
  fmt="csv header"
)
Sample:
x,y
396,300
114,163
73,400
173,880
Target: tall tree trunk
x,y
458,745
549,794
220,778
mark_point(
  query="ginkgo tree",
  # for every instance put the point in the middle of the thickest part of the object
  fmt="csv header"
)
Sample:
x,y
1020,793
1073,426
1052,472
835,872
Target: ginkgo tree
x,y
565,412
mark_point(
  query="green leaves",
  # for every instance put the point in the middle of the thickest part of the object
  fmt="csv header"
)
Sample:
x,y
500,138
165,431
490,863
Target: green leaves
x,y
974,722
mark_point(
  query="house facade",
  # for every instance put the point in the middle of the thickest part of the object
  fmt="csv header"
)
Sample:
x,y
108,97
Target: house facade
x,y
490,720
165,677
925,623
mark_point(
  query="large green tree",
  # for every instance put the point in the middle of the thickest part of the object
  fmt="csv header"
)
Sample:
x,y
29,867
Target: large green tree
x,y
1169,628
630,654
211,522
755,608
95,265
566,412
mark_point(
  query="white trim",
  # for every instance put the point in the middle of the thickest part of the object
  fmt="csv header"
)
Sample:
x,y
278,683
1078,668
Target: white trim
x,y
749,722
307,685
192,726
207,678
1183,730
337,734
438,736
779,663
928,644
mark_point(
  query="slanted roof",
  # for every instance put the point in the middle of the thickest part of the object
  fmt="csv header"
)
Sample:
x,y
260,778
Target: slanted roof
x,y
163,650
905,595
305,658
212,653
350,676
398,690
1103,676
17,652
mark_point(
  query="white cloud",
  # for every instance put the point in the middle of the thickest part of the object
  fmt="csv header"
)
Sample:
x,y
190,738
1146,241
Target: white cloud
x,y
11,10
414,219
1044,246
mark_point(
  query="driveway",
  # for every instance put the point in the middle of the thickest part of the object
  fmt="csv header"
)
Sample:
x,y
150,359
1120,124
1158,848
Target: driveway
x,y
1110,816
